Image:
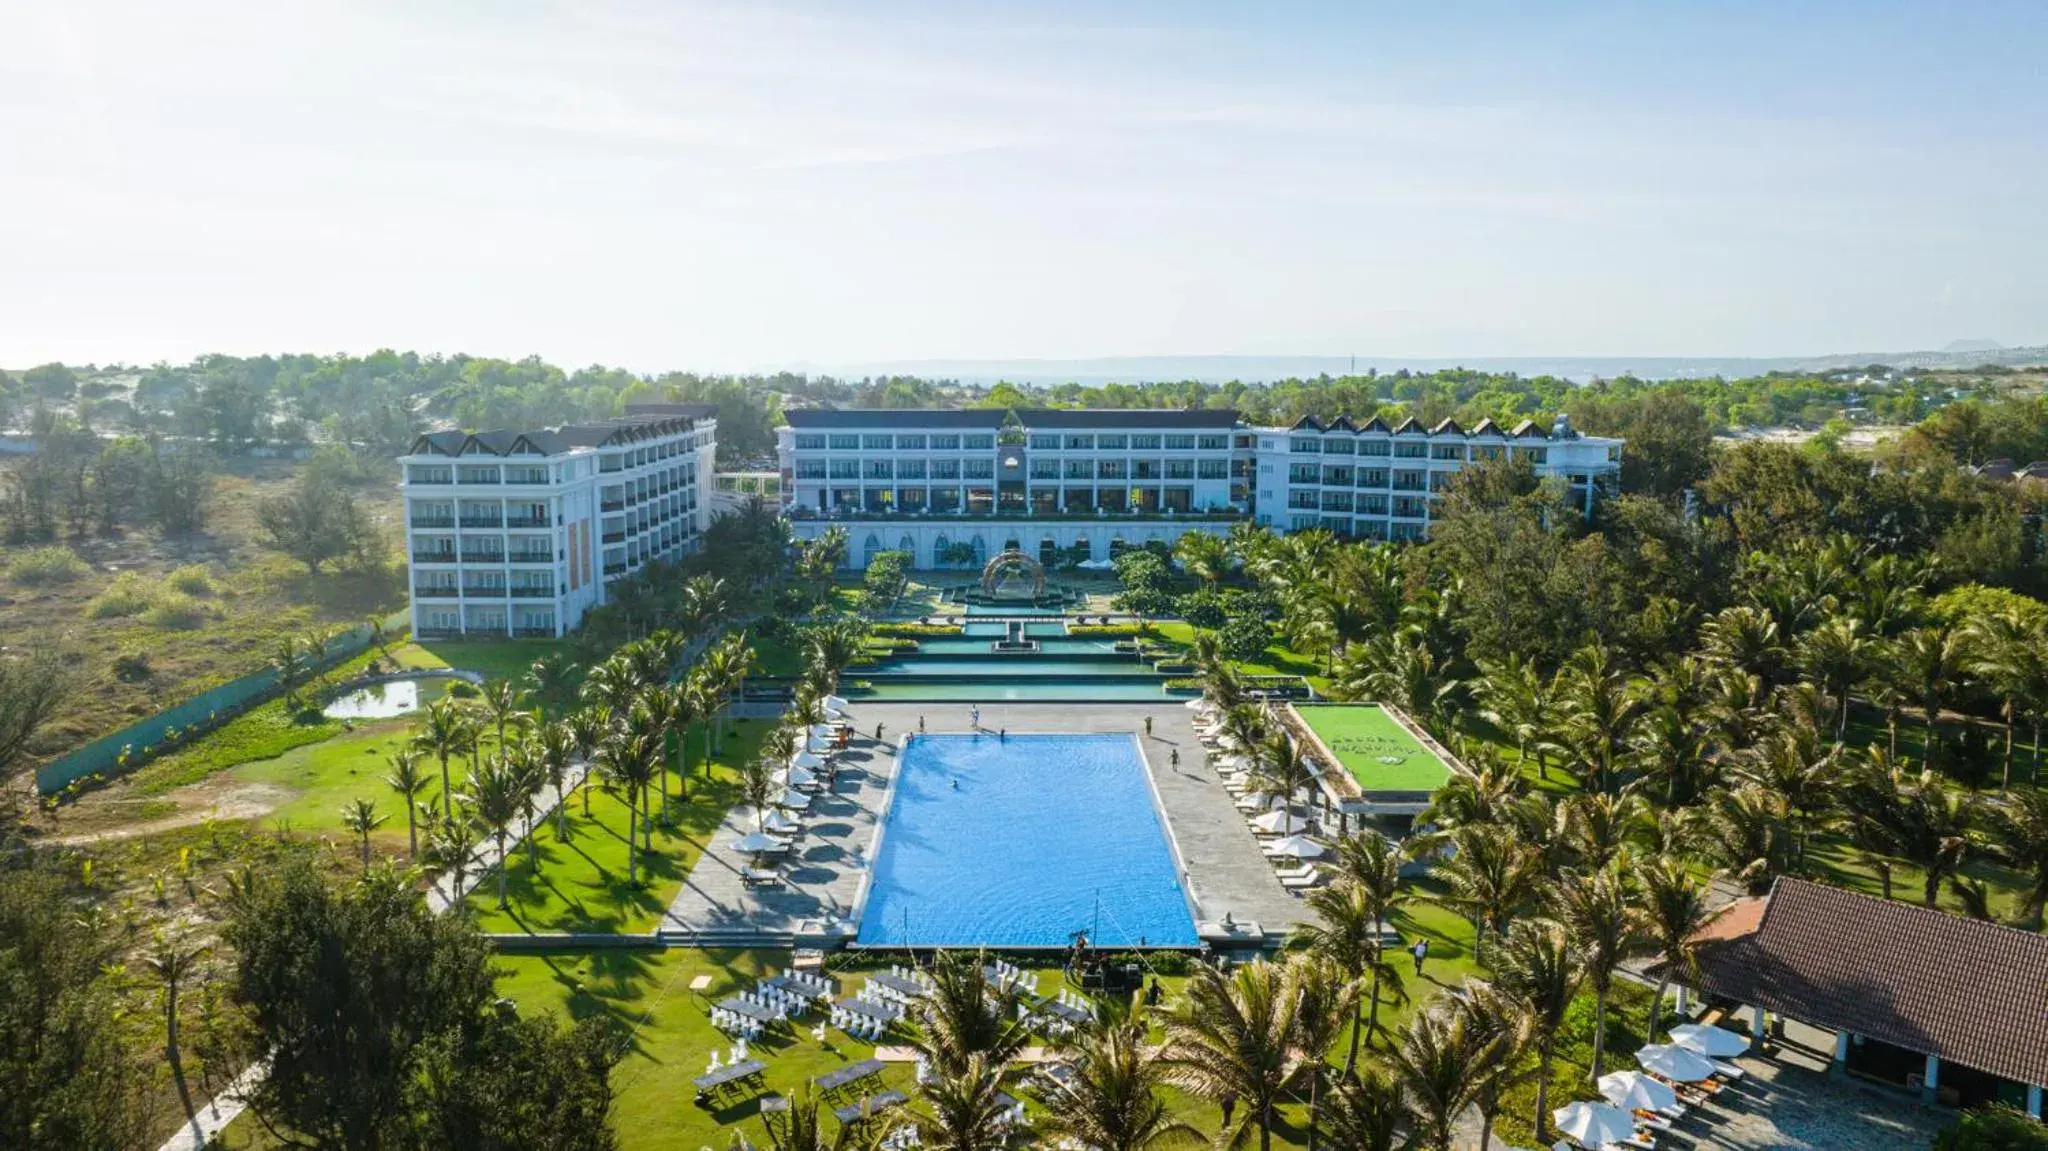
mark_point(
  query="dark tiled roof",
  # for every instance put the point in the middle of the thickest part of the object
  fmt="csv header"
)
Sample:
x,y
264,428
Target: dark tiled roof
x,y
854,418
549,441
1968,991
687,411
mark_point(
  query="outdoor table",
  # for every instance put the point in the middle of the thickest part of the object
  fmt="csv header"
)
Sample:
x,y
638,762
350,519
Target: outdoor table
x,y
878,1012
774,1104
1065,1012
725,1076
751,1010
872,1105
802,989
849,1074
908,988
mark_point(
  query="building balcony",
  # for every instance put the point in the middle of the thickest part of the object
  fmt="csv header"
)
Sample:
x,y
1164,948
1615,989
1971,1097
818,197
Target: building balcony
x,y
478,557
534,632
439,481
483,591
427,522
533,593
615,569
433,557
527,522
531,557
613,538
433,591
483,522
1225,515
611,505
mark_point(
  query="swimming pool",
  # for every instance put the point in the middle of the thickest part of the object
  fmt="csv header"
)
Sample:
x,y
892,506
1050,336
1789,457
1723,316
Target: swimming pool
x,y
906,689
1022,842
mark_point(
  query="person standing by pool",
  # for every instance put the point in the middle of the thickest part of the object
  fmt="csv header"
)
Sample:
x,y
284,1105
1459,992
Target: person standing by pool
x,y
878,733
1148,727
1176,759
974,716
920,724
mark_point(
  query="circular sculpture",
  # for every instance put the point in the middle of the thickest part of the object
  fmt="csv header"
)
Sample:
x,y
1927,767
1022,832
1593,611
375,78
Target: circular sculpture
x,y
1004,575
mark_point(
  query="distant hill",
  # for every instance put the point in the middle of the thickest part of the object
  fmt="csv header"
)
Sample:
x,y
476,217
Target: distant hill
x,y
1222,369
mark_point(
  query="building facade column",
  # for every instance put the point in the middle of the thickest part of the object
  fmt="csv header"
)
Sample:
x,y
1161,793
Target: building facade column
x,y
1840,1063
1930,1080
2034,1102
1756,1023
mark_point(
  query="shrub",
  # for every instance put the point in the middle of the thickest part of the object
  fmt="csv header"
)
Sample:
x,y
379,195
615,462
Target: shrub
x,y
128,595
918,629
178,612
1993,1129
131,667
39,567
192,579
1244,639
462,689
1104,630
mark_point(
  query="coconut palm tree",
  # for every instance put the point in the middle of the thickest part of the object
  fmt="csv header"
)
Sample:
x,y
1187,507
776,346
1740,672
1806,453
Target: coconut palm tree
x,y
1493,1016
1234,1036
1747,833
683,713
831,648
1674,752
1599,706
1674,908
1539,966
705,600
1491,875
500,702
1837,655
1931,662
1111,1101
629,761
1442,1066
1917,818
801,1127
554,752
408,781
550,683
1599,910
1245,725
1366,1112
1794,764
612,685
1350,924
360,818
449,849
2008,658
2017,827
965,1017
1598,828
494,794
1482,790
174,963
589,727
1327,1001
1280,770
965,1110
1515,698
445,729
292,663
758,788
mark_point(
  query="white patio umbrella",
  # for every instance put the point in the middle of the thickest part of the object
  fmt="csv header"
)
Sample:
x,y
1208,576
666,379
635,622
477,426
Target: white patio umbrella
x,y
833,701
805,759
1296,847
1196,704
1594,1124
795,777
823,731
1706,1039
1280,822
1675,1063
780,821
757,843
1633,1090
795,800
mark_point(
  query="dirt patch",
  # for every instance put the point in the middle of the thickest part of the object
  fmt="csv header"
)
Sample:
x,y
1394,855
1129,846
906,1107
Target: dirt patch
x,y
217,799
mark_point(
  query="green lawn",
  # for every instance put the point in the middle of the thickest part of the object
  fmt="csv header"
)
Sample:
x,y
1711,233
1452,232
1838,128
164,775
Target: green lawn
x,y
1279,658
1364,738
581,885
340,769
506,659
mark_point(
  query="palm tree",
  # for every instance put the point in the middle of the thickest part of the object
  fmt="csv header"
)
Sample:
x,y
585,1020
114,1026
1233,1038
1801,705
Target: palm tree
x,y
831,648
965,1110
1351,919
174,963
1597,828
1539,966
360,816
1932,661
292,663
1676,750
1492,1015
1747,833
683,713
1836,655
1365,1112
629,761
448,848
1599,707
494,794
554,751
1327,999
1917,818
758,788
588,728
501,703
965,1017
1482,790
1442,1066
2009,660
1280,770
445,730
1245,725
1515,698
408,781
1599,911
1793,764
1403,670
612,685
1490,876
1746,639
2018,837
1202,555
1111,1101
1674,908
551,683
705,598
1234,1037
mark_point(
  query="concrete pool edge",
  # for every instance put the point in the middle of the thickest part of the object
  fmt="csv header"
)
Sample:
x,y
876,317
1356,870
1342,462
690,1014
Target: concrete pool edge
x,y
1183,878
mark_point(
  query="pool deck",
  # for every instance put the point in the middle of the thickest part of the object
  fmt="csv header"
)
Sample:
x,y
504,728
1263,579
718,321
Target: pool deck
x,y
1226,872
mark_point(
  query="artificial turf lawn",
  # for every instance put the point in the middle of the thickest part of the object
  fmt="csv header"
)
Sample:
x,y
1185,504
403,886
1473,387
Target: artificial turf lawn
x,y
1360,734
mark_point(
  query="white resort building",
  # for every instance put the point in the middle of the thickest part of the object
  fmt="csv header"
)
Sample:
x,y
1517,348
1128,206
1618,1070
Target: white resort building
x,y
953,487
517,533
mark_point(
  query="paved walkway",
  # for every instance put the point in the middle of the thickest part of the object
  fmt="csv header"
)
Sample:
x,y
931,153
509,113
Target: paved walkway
x,y
1777,1107
1226,873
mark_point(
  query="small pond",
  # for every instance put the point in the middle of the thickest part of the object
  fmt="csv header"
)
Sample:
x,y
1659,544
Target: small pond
x,y
384,700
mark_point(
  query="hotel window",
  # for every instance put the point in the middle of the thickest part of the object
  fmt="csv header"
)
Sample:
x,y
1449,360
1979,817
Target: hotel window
x,y
1212,469
810,469
1304,474
1305,444
877,443
1410,451
909,469
1045,443
1447,452
1180,443
1080,470
845,443
1144,443
1110,443
909,443
1080,443
1214,443
1336,447
945,469
880,470
978,443
1110,470
945,443
1372,447
1180,469
981,469
1537,456
1044,469
845,469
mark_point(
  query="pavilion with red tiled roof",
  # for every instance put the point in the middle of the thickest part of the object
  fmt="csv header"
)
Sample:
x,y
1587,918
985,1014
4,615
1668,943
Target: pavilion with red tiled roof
x,y
1903,987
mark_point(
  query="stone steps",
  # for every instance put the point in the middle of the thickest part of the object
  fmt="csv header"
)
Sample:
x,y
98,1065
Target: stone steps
x,y
677,935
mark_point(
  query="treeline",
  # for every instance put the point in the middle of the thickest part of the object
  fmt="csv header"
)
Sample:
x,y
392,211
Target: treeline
x,y
78,482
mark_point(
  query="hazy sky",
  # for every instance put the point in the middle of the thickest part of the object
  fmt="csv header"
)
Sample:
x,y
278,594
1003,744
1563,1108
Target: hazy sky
x,y
673,185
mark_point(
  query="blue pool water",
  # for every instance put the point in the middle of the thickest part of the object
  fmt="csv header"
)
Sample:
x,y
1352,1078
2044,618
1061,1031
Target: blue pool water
x,y
1045,835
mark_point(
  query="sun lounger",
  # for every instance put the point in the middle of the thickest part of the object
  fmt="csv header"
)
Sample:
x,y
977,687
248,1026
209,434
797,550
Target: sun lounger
x,y
1727,1070
1287,873
761,877
1304,883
